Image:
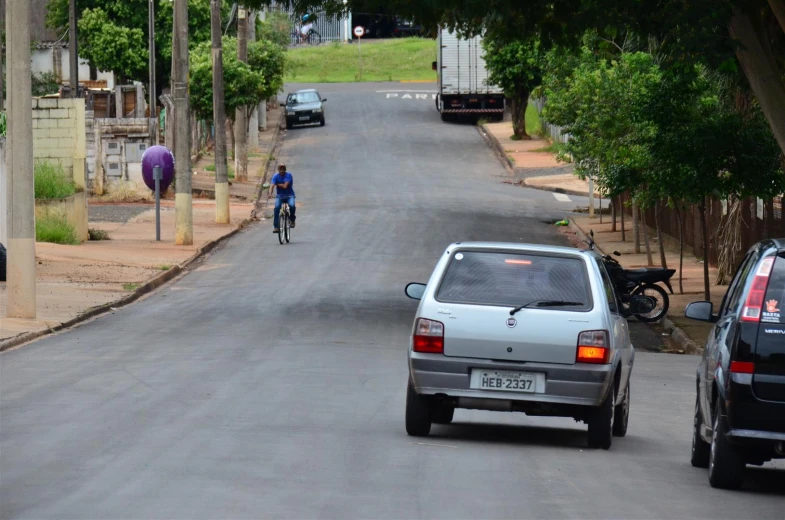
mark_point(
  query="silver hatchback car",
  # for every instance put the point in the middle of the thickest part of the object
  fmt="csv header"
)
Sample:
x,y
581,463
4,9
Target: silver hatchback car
x,y
521,328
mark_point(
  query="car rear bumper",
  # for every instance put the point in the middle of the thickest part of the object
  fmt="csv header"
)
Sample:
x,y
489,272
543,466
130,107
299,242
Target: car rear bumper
x,y
569,385
298,120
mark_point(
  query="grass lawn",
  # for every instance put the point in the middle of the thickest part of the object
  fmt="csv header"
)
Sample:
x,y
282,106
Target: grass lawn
x,y
533,122
403,59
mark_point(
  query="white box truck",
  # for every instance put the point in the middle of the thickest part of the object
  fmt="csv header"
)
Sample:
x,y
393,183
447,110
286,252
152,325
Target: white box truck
x,y
463,87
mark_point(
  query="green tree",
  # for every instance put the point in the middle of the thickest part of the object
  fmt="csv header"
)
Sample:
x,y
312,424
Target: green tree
x,y
516,66
244,87
108,46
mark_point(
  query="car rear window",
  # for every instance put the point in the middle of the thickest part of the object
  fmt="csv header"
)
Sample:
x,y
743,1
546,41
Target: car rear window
x,y
773,303
512,279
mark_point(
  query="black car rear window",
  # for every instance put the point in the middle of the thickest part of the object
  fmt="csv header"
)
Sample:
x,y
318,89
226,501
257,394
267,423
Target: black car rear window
x,y
774,302
512,279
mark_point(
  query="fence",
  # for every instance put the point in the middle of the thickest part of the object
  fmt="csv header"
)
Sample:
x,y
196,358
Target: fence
x,y
555,133
758,219
329,28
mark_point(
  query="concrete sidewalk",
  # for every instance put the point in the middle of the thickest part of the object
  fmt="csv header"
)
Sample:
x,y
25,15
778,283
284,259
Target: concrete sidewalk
x,y
75,282
609,241
532,164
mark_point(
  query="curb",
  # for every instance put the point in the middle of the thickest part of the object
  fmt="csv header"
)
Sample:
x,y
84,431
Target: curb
x,y
140,291
676,334
557,190
276,141
497,147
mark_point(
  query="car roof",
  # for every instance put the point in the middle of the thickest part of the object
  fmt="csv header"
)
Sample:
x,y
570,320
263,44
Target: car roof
x,y
523,247
304,90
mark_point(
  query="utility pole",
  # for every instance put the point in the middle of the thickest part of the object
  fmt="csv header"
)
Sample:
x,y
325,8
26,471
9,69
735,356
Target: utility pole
x,y
20,192
240,120
184,224
263,105
253,121
73,58
151,31
222,215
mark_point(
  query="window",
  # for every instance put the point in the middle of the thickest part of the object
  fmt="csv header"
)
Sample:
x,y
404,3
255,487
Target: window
x,y
512,279
303,97
610,292
733,298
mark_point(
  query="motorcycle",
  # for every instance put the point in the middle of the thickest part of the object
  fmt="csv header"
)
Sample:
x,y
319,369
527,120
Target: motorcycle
x,y
639,282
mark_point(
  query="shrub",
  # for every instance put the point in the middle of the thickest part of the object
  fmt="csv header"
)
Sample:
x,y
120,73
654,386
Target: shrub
x,y
51,182
55,230
98,234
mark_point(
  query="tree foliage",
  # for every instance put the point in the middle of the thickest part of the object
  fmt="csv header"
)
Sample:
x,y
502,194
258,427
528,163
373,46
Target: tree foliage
x,y
516,66
243,85
109,46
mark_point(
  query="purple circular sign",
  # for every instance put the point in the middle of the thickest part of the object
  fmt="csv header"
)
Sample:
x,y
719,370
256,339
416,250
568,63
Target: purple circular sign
x,y
158,156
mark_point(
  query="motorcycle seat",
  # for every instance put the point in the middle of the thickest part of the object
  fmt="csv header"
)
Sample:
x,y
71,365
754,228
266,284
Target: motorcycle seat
x,y
650,274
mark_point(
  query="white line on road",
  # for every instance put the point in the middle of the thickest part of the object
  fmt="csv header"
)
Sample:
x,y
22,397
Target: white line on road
x,y
412,91
561,197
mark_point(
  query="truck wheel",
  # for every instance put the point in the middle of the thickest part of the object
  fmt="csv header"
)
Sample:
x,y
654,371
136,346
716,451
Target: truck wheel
x,y
418,415
2,263
726,464
447,118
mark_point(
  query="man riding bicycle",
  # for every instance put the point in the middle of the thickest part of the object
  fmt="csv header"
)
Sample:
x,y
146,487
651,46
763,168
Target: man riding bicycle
x,y
283,182
306,27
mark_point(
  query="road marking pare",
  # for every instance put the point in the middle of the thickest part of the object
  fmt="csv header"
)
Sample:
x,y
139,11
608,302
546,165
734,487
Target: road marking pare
x,y
561,197
413,96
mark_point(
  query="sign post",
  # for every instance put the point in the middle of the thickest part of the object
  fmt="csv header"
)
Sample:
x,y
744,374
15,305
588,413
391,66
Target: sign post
x,y
158,175
359,31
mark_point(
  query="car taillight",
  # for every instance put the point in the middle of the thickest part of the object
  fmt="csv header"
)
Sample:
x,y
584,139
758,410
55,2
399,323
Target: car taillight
x,y
742,367
429,336
753,307
593,347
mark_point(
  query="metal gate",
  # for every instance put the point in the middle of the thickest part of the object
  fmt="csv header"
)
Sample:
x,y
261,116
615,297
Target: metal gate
x,y
329,28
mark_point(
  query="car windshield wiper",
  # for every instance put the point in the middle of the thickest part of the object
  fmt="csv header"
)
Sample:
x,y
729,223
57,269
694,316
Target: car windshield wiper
x,y
544,303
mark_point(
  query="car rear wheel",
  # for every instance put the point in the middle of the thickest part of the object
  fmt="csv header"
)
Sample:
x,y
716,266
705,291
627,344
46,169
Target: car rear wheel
x,y
442,414
622,415
726,464
601,424
701,450
418,415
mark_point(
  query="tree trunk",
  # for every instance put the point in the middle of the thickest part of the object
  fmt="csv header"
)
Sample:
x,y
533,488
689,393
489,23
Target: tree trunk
x,y
705,233
614,202
681,249
520,100
240,123
222,215
663,260
760,67
621,210
230,124
647,242
778,6
636,231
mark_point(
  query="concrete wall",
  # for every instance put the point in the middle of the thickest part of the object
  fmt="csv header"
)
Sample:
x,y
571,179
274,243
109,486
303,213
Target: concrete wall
x,y
55,59
59,135
114,153
73,209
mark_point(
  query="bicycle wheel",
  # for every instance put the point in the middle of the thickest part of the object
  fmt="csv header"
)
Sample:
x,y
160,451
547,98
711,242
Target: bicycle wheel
x,y
314,38
281,225
288,228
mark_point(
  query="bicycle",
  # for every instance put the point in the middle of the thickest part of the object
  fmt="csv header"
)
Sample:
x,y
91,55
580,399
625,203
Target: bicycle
x,y
312,38
284,229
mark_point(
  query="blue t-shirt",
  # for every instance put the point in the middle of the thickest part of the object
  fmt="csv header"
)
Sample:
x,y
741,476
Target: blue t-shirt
x,y
280,179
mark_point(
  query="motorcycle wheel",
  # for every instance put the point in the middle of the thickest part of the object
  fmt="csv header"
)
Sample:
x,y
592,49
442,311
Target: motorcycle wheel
x,y
659,294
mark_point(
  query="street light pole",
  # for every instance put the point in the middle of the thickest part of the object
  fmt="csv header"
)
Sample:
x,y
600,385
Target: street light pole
x,y
20,192
184,225
153,97
73,58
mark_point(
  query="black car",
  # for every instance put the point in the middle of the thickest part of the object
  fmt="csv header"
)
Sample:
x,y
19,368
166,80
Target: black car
x,y
304,107
407,28
740,406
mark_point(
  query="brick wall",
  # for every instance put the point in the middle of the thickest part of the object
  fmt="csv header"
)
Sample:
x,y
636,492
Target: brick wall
x,y
59,135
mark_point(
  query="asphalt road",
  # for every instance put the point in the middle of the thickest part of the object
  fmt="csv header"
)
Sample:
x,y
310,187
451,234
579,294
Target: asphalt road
x,y
270,382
